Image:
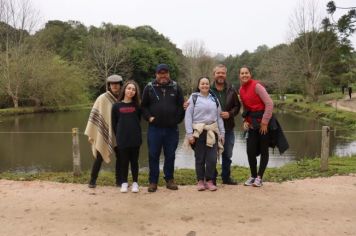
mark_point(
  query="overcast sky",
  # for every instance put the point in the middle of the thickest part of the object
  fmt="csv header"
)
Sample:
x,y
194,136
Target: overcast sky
x,y
225,26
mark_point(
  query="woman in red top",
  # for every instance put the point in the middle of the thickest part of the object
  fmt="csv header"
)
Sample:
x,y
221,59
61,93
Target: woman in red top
x,y
258,108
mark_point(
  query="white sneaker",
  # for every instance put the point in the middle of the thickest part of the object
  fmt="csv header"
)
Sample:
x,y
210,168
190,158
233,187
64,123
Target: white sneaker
x,y
124,187
258,182
135,188
250,181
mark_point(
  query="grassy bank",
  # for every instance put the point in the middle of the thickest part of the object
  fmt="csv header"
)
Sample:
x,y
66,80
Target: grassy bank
x,y
297,104
296,170
30,110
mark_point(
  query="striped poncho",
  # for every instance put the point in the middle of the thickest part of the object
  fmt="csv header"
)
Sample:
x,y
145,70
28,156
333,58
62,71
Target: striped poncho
x,y
99,128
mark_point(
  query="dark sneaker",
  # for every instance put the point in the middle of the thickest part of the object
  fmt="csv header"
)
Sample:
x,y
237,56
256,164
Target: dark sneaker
x,y
170,184
250,181
230,181
257,183
152,188
92,184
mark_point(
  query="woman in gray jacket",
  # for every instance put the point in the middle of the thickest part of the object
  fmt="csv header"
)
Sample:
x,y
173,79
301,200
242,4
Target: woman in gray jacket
x,y
205,132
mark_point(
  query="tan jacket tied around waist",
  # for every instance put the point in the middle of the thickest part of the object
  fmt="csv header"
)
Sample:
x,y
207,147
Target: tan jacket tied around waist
x,y
211,129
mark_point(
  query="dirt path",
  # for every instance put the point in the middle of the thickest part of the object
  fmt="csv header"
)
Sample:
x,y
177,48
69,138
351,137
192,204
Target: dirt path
x,y
323,206
345,104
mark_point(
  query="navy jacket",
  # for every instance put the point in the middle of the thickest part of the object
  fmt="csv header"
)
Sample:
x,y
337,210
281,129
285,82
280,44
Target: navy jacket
x,y
164,102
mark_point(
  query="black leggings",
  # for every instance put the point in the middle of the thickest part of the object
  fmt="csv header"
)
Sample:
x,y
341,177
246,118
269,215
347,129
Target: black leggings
x,y
126,156
205,159
257,144
97,165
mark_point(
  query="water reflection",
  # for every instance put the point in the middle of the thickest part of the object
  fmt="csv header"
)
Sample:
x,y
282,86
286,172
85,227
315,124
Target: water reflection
x,y
53,152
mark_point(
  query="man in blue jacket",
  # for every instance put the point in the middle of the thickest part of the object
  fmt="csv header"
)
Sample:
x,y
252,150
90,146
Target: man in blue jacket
x,y
162,107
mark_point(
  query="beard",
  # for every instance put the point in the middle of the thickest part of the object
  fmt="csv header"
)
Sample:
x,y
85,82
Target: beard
x,y
220,80
163,81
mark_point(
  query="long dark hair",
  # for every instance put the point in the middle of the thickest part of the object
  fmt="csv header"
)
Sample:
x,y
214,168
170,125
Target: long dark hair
x,y
246,67
204,77
137,98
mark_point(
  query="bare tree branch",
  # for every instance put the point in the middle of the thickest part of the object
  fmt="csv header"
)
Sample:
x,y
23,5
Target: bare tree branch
x,y
17,19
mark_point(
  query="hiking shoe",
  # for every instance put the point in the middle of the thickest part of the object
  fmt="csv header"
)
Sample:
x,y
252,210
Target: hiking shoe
x,y
152,188
210,185
230,181
170,184
135,188
257,183
92,184
250,181
201,185
124,187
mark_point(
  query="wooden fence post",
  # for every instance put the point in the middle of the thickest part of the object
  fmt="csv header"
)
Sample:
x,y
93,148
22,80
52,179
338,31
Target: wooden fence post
x,y
76,152
325,141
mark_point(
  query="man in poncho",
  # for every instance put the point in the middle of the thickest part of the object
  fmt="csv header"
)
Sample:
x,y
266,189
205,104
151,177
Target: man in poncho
x,y
99,128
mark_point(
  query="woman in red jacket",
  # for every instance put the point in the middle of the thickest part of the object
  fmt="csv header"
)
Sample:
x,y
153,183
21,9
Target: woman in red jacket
x,y
258,108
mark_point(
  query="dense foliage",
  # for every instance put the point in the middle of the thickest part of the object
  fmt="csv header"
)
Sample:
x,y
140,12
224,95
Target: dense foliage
x,y
46,68
66,63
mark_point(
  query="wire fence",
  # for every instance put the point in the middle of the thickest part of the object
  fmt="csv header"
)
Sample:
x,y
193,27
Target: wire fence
x,y
37,132
81,133
325,133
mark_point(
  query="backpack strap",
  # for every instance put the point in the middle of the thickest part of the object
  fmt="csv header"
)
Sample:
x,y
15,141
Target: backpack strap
x,y
195,97
175,86
151,90
214,97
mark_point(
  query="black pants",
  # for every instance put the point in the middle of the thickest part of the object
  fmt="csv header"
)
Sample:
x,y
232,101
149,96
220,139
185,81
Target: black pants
x,y
205,158
129,155
257,144
97,165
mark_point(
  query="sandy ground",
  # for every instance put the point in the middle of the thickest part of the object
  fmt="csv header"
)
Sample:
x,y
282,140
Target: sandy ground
x,y
323,206
346,103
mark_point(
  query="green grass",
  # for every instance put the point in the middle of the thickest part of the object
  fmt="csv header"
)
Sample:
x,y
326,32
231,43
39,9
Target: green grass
x,y
30,110
331,96
305,168
317,110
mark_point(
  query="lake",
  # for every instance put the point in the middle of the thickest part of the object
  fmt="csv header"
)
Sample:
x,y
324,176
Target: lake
x,y
34,152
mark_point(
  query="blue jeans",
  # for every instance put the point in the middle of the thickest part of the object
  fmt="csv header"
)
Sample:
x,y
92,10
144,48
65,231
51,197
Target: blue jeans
x,y
168,139
227,154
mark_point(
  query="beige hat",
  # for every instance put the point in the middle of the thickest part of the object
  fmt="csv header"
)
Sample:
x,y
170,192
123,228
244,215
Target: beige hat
x,y
114,79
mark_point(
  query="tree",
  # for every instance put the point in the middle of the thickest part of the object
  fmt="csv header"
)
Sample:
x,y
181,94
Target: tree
x,y
67,39
311,47
345,25
53,81
277,69
198,62
17,20
232,64
108,56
